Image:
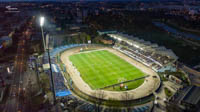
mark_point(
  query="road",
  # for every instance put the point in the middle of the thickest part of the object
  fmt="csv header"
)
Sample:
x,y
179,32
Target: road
x,y
16,100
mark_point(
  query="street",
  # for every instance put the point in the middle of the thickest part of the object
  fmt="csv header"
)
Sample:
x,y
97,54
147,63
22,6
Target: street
x,y
14,102
16,95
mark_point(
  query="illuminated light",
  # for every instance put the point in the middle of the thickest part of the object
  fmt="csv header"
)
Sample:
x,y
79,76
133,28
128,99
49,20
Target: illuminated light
x,y
8,69
136,46
119,39
155,102
41,21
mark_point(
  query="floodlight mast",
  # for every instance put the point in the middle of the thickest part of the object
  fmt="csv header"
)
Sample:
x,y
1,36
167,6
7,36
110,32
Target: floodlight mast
x,y
41,25
52,81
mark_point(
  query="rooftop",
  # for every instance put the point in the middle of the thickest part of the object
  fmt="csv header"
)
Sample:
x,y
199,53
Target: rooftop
x,y
192,97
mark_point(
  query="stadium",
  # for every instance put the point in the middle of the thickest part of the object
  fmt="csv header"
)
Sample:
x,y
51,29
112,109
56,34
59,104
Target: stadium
x,y
106,69
121,75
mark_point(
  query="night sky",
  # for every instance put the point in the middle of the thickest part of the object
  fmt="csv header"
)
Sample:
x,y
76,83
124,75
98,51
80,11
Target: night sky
x,y
82,0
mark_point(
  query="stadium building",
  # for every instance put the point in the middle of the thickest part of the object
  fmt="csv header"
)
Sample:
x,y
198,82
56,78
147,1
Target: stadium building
x,y
150,54
92,72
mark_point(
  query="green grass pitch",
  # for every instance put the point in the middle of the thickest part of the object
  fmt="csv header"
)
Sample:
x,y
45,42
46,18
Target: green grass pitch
x,y
102,68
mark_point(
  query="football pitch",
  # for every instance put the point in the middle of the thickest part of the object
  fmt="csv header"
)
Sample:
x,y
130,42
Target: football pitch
x,y
102,68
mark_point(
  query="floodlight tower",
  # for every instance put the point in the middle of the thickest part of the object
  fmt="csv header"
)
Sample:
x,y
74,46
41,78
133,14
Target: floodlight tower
x,y
51,73
41,25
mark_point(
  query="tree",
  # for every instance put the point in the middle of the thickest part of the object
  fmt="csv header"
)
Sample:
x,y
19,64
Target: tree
x,y
44,79
127,97
99,94
88,38
84,37
77,39
97,39
172,107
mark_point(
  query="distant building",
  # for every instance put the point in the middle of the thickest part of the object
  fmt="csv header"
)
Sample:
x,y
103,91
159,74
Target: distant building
x,y
188,99
102,32
106,41
175,79
5,42
192,97
85,14
79,13
97,12
193,12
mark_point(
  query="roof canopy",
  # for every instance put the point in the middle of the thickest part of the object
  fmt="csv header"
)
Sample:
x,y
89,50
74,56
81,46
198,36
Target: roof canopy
x,y
143,45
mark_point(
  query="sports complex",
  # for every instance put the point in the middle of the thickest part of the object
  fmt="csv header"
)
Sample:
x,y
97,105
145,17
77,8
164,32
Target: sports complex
x,y
121,75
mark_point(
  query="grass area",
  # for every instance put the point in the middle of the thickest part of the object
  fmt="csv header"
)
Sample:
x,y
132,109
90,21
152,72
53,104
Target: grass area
x,y
103,68
111,102
168,92
130,85
162,77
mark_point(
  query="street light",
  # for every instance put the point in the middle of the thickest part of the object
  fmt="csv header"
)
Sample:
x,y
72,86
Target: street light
x,y
41,25
51,73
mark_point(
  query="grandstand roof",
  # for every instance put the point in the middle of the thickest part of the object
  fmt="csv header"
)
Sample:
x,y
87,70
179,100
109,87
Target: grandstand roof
x,y
145,45
154,45
101,32
171,54
141,40
162,48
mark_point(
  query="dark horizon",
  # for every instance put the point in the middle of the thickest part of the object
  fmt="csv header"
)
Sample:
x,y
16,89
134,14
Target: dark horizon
x,y
88,0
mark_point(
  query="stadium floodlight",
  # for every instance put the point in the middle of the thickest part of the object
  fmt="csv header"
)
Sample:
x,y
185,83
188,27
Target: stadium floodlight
x,y
41,21
8,70
41,25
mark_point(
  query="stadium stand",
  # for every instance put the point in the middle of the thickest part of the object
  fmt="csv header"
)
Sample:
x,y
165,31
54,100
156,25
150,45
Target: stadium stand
x,y
86,107
157,57
60,88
